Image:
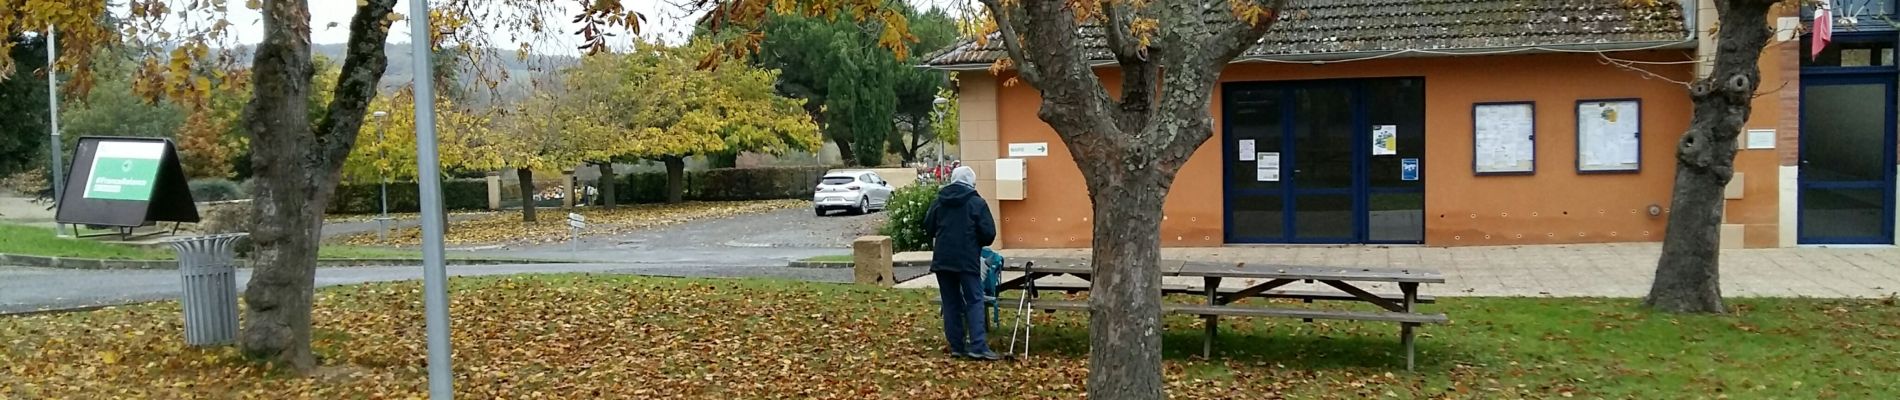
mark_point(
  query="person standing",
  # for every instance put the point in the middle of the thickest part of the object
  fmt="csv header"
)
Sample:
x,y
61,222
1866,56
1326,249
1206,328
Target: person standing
x,y
959,226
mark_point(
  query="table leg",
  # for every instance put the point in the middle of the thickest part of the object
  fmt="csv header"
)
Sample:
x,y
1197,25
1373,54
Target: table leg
x,y
1212,321
1411,297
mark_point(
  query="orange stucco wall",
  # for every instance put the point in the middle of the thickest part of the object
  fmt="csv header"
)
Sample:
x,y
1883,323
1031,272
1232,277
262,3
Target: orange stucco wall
x,y
1556,205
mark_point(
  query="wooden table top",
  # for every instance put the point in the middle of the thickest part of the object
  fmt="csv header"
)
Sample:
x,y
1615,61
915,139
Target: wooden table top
x,y
1080,266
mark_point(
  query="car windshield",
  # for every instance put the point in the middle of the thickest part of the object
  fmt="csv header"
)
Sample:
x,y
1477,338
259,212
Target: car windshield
x,y
837,180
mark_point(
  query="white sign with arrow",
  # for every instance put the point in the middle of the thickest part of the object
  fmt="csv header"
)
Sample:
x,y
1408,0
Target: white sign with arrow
x,y
1028,149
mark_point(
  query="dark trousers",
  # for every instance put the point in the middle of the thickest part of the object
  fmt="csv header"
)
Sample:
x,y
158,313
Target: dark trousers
x,y
963,322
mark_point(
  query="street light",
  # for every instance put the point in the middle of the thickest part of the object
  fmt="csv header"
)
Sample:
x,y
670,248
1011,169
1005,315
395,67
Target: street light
x,y
382,176
938,110
52,99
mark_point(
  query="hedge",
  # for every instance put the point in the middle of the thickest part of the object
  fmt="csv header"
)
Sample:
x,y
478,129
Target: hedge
x,y
365,198
724,184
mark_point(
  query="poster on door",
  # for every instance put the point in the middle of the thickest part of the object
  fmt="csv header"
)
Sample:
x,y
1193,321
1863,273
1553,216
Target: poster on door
x,y
1385,140
1267,167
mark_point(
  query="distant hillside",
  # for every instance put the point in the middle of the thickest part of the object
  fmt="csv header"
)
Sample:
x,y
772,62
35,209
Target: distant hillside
x,y
518,72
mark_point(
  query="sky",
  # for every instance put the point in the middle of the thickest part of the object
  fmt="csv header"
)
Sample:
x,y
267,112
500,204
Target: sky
x,y
665,21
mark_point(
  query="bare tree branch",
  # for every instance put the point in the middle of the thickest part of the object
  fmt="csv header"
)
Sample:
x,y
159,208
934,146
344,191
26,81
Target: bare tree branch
x,y
362,68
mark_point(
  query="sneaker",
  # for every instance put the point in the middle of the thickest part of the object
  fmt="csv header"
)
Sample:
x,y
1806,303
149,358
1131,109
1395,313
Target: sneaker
x,y
959,356
986,355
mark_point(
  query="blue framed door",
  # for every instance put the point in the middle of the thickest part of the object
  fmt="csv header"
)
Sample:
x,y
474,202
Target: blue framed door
x,y
1846,187
1300,163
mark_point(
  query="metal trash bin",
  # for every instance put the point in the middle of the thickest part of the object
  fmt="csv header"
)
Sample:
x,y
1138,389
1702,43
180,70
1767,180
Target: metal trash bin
x,y
207,264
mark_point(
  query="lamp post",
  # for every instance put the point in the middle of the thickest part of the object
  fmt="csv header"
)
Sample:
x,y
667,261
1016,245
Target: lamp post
x,y
938,110
382,175
52,99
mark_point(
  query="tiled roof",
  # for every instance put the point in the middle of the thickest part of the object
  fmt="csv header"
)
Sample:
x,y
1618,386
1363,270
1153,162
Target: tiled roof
x,y
1319,27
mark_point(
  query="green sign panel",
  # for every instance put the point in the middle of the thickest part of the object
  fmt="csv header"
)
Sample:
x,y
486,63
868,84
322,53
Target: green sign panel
x,y
124,170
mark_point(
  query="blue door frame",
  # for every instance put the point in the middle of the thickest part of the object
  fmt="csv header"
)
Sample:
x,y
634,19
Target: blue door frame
x,y
1290,190
1826,75
1886,186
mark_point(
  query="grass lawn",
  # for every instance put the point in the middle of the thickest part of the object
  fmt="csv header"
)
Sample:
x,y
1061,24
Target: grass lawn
x,y
589,336
831,258
37,241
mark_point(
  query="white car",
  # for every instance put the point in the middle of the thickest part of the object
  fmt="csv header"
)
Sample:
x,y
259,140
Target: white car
x,y
857,191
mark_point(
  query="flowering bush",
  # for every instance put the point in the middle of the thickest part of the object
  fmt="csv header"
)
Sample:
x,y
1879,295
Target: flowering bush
x,y
905,222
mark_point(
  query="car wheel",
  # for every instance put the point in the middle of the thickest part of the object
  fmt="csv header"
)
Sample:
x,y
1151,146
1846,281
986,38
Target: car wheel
x,y
819,211
864,205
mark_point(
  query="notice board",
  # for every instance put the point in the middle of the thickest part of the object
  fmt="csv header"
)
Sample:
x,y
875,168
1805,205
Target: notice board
x,y
126,182
1504,138
1609,135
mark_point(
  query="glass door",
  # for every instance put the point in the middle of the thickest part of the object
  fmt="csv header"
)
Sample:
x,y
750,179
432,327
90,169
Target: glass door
x,y
1255,121
1324,161
1322,171
1847,160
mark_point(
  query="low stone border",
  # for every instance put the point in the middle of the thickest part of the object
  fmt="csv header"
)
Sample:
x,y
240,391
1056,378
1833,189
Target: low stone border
x,y
849,264
90,263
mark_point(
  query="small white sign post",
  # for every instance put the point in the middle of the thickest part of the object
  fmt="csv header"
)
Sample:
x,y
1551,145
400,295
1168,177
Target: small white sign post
x,y
575,222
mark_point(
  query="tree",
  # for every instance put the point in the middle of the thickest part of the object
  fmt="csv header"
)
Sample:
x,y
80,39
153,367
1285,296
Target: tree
x,y
861,106
671,110
23,138
1129,147
917,89
1688,273
296,163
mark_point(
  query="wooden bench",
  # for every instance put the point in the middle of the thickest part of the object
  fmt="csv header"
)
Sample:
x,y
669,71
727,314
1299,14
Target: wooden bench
x,y
1306,295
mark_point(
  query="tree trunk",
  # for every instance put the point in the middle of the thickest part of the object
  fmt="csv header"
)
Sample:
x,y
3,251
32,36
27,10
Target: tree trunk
x,y
526,177
297,168
1125,295
607,181
844,151
675,179
1689,271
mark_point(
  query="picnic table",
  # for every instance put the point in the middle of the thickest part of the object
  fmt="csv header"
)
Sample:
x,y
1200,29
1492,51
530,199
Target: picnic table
x,y
1265,282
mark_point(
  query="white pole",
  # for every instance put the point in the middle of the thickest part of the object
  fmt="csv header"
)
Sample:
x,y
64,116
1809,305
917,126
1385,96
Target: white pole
x,y
52,99
435,294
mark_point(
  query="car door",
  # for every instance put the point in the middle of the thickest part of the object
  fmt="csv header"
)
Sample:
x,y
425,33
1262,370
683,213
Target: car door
x,y
879,190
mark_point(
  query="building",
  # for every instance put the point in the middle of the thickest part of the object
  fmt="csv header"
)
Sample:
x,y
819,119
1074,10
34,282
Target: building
x,y
1477,122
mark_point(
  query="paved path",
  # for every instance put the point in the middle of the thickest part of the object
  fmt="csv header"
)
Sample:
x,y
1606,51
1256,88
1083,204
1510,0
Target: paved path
x,y
772,238
1608,270
25,289
754,245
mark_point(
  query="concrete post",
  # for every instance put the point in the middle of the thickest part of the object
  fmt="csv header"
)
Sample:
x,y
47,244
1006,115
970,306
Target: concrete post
x,y
567,188
494,190
871,261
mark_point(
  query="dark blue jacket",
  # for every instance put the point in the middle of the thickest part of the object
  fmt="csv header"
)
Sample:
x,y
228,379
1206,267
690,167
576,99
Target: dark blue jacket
x,y
959,225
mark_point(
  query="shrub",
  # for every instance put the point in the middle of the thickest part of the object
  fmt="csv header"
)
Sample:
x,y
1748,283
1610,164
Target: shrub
x,y
366,198
214,190
905,222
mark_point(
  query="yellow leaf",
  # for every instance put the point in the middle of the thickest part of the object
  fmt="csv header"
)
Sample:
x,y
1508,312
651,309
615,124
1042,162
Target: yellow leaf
x,y
110,357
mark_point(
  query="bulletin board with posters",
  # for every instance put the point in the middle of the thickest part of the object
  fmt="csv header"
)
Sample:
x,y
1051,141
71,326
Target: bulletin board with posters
x,y
1504,138
1609,135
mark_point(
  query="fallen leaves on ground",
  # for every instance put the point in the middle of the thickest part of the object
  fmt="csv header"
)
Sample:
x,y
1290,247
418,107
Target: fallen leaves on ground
x,y
551,223
591,336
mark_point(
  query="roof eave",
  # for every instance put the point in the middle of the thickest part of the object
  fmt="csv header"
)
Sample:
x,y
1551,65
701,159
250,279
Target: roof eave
x,y
1327,58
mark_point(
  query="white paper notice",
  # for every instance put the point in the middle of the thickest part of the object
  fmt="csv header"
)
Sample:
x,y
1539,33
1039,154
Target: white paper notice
x,y
1267,167
1385,140
1761,139
1246,150
1267,174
